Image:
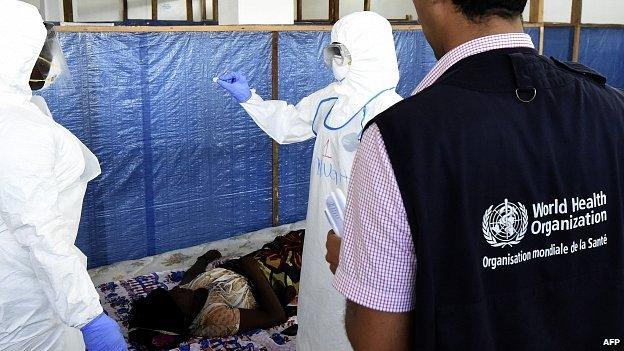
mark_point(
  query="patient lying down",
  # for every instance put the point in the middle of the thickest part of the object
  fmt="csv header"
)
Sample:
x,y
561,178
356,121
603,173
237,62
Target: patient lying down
x,y
232,298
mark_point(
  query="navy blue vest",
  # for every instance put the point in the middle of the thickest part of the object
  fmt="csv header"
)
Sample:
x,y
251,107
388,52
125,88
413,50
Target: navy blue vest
x,y
511,169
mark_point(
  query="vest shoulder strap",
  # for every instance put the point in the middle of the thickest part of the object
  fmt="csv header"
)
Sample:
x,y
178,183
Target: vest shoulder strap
x,y
582,70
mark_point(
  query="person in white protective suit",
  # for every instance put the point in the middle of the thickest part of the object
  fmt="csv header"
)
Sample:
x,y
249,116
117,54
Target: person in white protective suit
x,y
363,58
47,299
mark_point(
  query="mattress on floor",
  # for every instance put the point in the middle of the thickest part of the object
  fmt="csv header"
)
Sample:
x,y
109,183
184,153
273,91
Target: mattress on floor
x,y
116,299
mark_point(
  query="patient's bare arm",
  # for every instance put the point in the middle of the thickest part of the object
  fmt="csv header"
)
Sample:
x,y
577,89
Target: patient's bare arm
x,y
269,312
200,266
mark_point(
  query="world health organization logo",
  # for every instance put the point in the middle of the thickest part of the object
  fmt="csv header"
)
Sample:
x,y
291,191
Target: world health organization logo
x,y
505,224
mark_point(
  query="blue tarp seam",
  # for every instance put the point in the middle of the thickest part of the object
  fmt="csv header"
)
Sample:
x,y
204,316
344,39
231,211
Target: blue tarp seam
x,y
86,101
148,164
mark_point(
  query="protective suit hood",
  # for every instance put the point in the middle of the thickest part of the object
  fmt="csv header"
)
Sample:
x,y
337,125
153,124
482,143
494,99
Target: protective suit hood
x,y
23,36
374,67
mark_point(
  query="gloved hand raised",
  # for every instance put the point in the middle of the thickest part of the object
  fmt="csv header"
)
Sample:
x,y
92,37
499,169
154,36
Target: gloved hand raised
x,y
103,334
236,84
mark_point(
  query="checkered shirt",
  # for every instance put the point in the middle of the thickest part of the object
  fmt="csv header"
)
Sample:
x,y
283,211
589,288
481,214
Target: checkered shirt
x,y
471,48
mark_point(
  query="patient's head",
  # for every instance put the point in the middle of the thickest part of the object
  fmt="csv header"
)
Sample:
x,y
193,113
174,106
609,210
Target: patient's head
x,y
162,318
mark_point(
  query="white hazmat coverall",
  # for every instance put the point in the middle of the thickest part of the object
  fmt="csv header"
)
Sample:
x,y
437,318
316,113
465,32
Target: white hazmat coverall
x,y
45,290
336,116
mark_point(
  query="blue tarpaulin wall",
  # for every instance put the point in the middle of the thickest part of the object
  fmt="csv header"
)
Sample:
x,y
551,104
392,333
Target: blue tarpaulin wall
x,y
182,163
558,42
603,50
600,48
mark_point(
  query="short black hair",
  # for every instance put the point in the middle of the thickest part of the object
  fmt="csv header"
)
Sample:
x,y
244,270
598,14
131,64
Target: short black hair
x,y
152,314
478,10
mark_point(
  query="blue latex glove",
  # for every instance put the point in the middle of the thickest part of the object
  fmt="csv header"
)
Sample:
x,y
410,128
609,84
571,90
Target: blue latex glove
x,y
103,334
236,84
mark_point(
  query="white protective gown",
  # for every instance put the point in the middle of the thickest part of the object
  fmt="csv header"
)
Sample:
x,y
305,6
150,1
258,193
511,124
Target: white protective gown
x,y
45,290
336,116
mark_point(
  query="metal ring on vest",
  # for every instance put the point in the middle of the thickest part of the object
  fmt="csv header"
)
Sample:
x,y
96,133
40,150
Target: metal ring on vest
x,y
526,101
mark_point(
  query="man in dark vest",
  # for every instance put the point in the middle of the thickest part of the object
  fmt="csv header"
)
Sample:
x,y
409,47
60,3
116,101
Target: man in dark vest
x,y
485,212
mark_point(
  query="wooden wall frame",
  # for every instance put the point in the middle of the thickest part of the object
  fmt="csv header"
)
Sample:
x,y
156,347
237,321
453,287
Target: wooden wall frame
x,y
124,10
333,16
299,10
275,209
189,10
203,10
154,10
536,14
68,11
577,20
334,11
210,28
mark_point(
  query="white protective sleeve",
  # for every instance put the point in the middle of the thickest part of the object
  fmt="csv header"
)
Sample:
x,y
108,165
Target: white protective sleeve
x,y
29,194
286,124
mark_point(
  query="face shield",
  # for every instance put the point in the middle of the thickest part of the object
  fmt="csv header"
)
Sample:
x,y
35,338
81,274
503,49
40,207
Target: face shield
x,y
336,53
50,66
337,56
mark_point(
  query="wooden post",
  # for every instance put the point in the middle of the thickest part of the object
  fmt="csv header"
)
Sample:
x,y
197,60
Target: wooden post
x,y
124,9
275,145
215,10
68,11
204,11
577,15
541,39
189,10
537,11
367,5
334,10
154,10
299,10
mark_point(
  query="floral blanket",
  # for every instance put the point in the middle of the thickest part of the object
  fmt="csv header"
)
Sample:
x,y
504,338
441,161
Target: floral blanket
x,y
117,296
